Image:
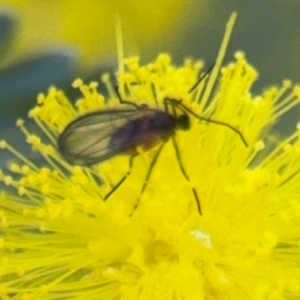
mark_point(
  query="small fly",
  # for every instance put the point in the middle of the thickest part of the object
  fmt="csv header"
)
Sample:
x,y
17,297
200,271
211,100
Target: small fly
x,y
101,135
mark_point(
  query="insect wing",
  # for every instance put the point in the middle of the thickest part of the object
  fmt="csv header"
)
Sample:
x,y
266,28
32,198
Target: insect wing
x,y
87,139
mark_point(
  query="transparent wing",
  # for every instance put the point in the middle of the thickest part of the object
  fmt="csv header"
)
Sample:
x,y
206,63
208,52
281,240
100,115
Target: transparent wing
x,y
87,139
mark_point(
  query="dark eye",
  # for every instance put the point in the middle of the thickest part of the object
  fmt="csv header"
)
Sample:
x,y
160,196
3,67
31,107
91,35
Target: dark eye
x,y
183,122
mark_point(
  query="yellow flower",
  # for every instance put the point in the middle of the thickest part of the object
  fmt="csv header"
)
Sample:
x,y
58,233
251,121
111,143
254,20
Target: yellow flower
x,y
59,239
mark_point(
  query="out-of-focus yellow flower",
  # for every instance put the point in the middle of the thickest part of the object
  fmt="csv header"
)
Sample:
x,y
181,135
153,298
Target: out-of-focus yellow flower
x,y
89,25
60,240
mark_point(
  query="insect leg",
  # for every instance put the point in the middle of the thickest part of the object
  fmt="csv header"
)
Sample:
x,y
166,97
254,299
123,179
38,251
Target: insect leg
x,y
147,177
154,94
122,179
166,105
172,104
201,78
124,101
185,109
185,174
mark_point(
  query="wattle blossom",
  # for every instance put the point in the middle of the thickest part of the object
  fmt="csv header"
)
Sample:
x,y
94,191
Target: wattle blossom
x,y
59,239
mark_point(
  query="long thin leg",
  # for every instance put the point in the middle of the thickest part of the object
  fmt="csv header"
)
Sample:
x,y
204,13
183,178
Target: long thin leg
x,y
147,177
185,109
122,179
124,101
201,78
154,94
185,174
